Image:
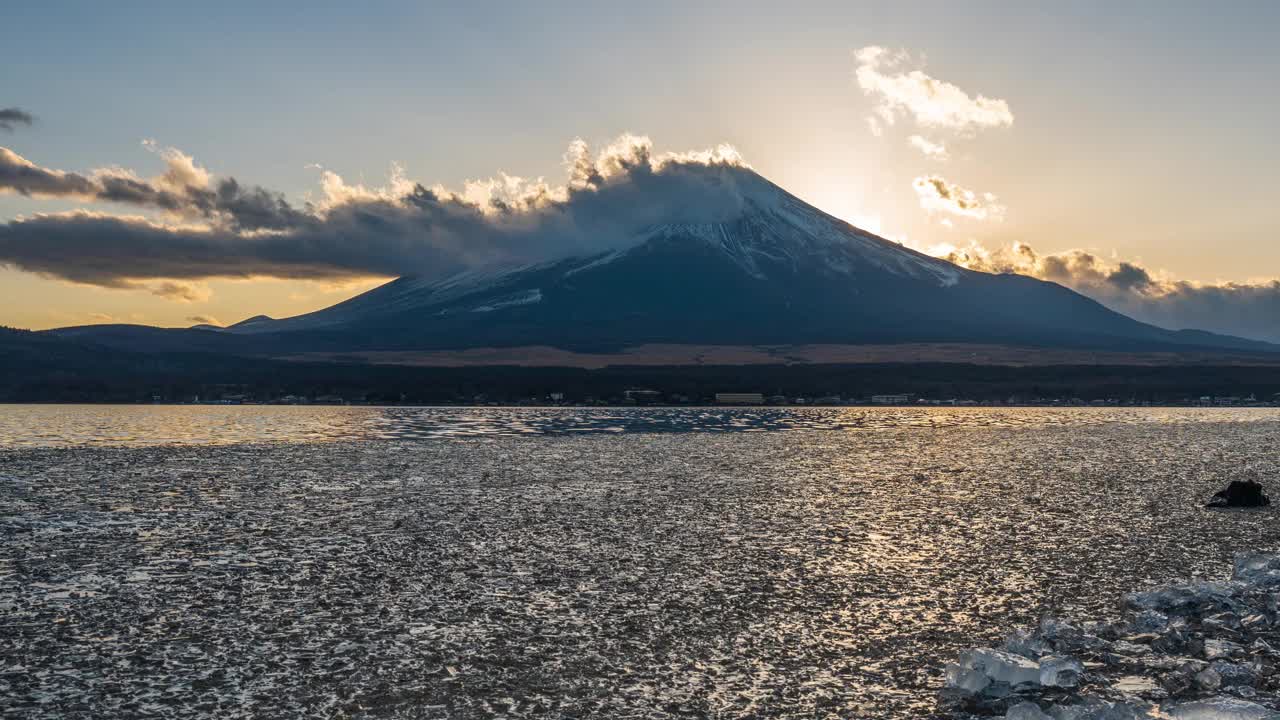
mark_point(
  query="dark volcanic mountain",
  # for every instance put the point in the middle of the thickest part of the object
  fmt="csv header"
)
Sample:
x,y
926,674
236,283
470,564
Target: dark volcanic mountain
x,y
781,272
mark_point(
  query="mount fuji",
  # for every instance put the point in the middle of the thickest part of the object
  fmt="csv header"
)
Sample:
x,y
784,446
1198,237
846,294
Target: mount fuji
x,y
781,272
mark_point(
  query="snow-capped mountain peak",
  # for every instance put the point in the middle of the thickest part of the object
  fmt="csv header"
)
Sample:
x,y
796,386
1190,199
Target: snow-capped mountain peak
x,y
767,269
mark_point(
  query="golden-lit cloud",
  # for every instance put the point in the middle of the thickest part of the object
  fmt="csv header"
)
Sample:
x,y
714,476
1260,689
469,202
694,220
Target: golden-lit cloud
x,y
930,102
1246,309
205,320
178,291
181,171
337,192
938,195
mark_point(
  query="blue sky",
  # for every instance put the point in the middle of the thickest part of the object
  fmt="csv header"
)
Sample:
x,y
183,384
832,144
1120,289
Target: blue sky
x,y
1142,130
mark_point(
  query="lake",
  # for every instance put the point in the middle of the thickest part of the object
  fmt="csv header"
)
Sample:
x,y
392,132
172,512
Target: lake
x,y
150,425
190,561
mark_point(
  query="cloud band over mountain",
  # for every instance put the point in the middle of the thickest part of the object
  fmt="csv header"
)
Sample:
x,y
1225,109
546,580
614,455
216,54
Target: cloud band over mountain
x,y
200,227
195,226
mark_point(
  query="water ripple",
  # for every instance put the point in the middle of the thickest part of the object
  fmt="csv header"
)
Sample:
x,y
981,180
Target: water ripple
x,y
159,425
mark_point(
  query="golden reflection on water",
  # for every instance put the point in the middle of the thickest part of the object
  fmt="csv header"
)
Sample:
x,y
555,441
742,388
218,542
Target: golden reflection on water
x,y
147,425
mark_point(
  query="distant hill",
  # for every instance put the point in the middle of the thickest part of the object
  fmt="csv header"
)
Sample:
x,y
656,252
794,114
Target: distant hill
x,y
44,367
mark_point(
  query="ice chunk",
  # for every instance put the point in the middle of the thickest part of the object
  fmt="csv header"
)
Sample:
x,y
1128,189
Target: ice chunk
x,y
1135,685
1053,628
1222,708
1130,649
1221,621
992,672
968,681
1026,644
1215,649
1254,622
1026,711
1257,569
1187,598
1060,671
1095,709
1150,621
1233,673
1208,680
1066,637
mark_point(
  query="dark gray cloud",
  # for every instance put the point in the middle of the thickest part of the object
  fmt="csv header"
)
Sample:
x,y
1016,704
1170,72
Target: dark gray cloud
x,y
1249,310
182,189
12,117
21,176
114,251
225,229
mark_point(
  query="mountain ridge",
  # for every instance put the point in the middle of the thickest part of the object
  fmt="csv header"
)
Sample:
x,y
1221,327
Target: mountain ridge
x,y
779,272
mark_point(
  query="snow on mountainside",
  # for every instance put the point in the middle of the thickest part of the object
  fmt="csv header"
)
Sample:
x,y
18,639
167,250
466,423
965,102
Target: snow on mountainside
x,y
783,228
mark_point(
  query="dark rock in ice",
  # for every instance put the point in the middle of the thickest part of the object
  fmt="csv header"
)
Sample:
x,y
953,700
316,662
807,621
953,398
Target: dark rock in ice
x,y
1240,493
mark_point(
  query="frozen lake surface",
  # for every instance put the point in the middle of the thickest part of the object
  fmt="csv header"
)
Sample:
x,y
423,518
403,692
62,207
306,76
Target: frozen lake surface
x,y
514,563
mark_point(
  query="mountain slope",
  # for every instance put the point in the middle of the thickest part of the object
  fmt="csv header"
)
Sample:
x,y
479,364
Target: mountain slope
x,y
781,272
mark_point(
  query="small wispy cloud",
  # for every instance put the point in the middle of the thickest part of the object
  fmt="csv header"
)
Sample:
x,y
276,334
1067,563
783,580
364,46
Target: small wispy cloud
x,y
11,118
936,151
930,102
204,320
938,195
178,291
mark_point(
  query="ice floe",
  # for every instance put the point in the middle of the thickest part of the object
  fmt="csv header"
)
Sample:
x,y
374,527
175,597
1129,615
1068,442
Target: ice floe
x,y
1190,651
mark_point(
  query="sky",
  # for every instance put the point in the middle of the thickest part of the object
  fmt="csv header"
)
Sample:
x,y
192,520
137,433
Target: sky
x,y
1122,148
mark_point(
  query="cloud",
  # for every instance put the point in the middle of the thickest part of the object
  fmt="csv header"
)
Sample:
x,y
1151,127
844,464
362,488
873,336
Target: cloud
x,y
937,195
180,291
217,227
205,320
931,103
184,189
19,175
1249,310
936,151
98,317
12,117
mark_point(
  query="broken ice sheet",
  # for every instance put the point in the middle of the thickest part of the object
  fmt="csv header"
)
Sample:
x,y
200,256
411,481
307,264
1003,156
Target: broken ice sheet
x,y
645,576
1234,675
